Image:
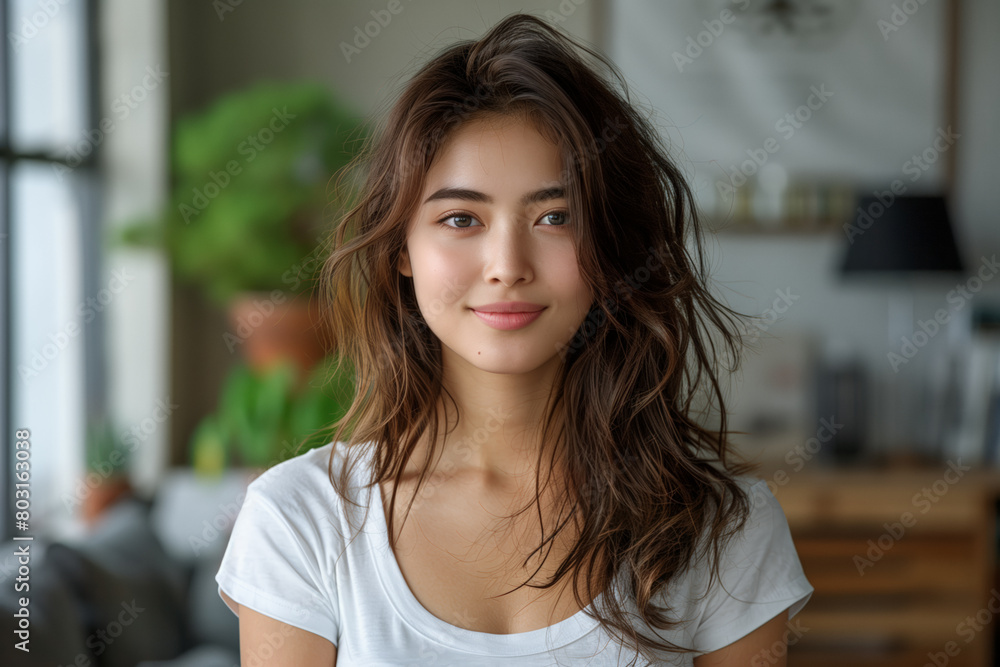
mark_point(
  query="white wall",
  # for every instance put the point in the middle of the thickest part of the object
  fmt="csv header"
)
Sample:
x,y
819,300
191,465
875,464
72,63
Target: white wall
x,y
845,319
303,39
976,202
135,161
855,317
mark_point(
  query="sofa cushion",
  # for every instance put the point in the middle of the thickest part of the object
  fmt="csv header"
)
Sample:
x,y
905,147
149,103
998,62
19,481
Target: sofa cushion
x,y
202,656
193,515
56,634
210,620
133,594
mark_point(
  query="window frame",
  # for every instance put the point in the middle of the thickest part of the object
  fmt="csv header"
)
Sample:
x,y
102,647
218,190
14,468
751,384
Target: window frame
x,y
87,193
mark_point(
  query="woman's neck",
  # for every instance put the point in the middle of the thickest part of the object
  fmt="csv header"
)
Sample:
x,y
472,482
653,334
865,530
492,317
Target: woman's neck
x,y
497,433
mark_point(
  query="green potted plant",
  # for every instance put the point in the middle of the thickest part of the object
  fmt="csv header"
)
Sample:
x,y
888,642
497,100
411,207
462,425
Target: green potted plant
x,y
106,480
251,203
266,416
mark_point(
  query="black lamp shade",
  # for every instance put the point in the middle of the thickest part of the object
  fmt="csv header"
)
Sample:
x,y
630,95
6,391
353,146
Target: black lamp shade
x,y
901,234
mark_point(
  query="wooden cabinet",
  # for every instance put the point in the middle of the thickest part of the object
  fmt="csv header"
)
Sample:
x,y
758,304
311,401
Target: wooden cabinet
x,y
903,563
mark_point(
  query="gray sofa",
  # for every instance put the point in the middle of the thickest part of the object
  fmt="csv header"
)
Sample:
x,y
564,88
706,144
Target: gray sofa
x,y
138,589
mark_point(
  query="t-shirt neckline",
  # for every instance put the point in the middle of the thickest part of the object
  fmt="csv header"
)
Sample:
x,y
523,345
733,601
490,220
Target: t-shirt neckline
x,y
415,615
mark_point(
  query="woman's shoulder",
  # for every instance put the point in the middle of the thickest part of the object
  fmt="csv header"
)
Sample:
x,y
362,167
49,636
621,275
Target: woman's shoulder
x,y
760,550
765,512
758,574
304,484
764,531
287,541
765,518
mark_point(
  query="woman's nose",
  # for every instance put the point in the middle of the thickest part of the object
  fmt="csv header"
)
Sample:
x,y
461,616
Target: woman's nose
x,y
508,254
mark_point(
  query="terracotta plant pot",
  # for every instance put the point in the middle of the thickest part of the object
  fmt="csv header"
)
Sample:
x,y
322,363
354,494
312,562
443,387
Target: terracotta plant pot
x,y
103,496
270,327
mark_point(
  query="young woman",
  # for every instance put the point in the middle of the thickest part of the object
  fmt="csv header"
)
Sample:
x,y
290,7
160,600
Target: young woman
x,y
521,292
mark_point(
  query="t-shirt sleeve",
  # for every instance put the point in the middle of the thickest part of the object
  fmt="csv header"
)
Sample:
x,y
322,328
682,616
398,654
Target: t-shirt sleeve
x,y
759,577
270,567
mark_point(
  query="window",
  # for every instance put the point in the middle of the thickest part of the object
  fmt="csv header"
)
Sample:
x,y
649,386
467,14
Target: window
x,y
51,299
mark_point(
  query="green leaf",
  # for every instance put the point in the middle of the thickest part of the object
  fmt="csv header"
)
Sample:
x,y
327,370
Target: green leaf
x,y
251,173
208,447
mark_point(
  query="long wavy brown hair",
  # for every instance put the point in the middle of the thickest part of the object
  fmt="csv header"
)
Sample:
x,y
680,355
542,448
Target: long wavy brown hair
x,y
636,418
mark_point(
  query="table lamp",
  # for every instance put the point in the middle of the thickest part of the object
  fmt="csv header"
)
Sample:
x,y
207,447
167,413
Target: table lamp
x,y
898,240
905,235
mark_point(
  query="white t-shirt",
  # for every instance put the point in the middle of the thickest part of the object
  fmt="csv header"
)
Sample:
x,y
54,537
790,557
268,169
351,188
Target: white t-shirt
x,y
290,557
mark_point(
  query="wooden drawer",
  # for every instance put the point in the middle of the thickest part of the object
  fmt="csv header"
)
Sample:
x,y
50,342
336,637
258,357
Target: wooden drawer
x,y
925,501
873,658
926,564
898,562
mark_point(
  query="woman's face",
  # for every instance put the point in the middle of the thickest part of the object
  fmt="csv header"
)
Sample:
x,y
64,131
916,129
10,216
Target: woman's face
x,y
492,225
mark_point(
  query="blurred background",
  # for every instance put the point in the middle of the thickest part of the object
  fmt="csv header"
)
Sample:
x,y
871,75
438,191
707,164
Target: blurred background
x,y
165,186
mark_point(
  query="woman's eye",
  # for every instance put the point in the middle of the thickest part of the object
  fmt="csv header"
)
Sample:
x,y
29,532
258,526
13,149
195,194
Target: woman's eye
x,y
560,218
461,221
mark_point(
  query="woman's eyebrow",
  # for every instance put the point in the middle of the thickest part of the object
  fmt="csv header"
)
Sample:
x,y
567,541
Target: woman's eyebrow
x,y
545,194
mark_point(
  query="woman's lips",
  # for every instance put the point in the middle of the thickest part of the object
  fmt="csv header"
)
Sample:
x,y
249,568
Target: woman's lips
x,y
508,321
